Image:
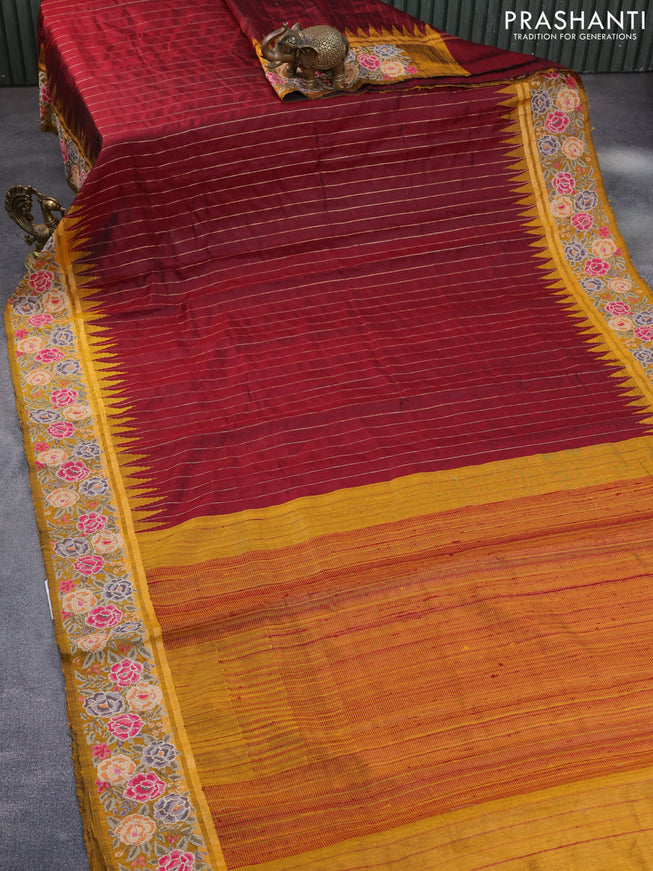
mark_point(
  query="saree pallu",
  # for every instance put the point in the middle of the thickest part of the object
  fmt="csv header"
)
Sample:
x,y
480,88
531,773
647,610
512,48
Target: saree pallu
x,y
338,413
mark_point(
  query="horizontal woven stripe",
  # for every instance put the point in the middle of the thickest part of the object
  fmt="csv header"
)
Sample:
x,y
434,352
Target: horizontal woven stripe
x,y
366,313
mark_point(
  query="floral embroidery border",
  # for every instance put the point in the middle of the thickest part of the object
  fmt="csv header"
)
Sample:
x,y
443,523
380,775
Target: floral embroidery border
x,y
76,165
139,780
582,218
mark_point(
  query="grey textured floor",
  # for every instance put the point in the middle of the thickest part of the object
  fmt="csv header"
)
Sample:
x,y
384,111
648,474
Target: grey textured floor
x,y
40,827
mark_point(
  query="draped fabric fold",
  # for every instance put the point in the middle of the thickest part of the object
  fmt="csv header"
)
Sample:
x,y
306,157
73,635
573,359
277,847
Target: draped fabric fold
x,y
338,415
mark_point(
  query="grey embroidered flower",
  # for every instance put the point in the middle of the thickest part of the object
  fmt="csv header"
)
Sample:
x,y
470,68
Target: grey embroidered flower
x,y
44,415
87,450
159,754
62,336
26,305
540,101
129,629
593,285
118,589
575,252
585,200
548,145
104,704
67,368
94,487
69,548
644,319
171,809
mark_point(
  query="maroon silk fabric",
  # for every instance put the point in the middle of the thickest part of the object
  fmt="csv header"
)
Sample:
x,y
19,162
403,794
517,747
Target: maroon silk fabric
x,y
297,298
154,67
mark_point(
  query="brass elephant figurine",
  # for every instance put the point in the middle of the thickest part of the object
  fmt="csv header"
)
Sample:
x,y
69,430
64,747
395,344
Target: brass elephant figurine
x,y
320,48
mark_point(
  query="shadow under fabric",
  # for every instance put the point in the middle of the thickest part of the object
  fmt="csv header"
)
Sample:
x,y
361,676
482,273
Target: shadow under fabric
x,y
340,436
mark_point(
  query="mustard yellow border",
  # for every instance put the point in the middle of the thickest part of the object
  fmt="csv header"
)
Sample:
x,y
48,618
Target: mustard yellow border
x,y
586,825
186,757
425,493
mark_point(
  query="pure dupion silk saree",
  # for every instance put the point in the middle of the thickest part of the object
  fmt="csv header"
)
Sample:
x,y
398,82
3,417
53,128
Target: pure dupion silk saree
x,y
337,404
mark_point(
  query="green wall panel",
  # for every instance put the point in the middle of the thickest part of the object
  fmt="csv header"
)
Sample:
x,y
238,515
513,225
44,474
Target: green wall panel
x,y
482,21
18,54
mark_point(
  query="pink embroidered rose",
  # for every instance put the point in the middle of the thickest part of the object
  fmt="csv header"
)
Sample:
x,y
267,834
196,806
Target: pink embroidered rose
x,y
92,642
616,307
562,207
144,696
100,751
40,280
104,616
91,522
621,324
176,861
125,726
61,429
556,122
74,470
573,147
44,95
582,221
369,61
79,601
145,787
40,319
645,333
38,377
62,498
596,266
50,355
135,829
564,183
126,672
30,345
88,565
568,100
64,396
